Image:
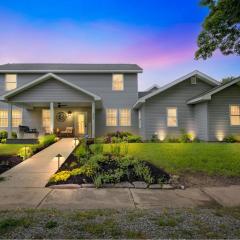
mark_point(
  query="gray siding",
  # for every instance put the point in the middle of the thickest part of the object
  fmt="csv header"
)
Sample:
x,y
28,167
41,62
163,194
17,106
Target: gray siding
x,y
99,84
156,109
201,118
219,113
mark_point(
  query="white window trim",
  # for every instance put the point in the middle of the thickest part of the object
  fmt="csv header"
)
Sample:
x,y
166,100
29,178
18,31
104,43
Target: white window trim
x,y
115,90
176,117
106,122
230,115
9,82
130,117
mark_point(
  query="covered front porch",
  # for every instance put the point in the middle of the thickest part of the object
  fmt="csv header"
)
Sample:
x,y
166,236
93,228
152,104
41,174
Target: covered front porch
x,y
50,104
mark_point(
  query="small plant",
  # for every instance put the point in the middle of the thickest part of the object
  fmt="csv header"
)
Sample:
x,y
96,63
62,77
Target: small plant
x,y
60,176
185,137
51,224
73,164
134,139
46,140
230,139
97,148
143,172
3,134
97,180
124,148
173,140
81,152
14,135
25,152
155,138
3,141
115,149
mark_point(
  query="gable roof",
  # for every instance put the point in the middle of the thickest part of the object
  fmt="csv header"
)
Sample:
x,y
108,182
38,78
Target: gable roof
x,y
197,73
43,79
154,87
68,67
208,95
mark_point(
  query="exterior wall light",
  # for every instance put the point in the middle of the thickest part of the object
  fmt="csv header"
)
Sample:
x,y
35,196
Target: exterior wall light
x,y
69,113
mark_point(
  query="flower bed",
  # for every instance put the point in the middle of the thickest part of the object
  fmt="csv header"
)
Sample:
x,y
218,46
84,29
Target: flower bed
x,y
93,166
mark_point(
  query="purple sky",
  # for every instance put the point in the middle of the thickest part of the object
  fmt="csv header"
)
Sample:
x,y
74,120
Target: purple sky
x,y
160,38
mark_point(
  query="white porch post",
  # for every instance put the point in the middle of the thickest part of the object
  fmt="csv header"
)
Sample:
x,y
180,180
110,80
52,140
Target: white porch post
x,y
93,119
9,120
51,117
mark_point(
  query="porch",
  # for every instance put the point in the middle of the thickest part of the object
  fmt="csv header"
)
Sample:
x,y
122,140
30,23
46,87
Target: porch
x,y
48,118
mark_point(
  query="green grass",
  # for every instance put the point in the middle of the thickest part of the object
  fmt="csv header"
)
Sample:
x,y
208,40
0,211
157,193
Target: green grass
x,y
177,158
10,149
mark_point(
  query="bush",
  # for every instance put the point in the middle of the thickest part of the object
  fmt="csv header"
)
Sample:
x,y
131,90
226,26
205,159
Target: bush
x,y
14,135
81,152
143,172
230,139
155,138
47,140
185,137
97,180
97,148
3,134
134,139
3,141
115,149
60,176
25,152
173,140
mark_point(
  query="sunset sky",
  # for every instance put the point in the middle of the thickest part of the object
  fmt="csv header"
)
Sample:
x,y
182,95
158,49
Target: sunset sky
x,y
158,35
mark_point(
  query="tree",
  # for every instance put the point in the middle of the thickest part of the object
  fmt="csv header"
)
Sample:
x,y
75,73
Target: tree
x,y
221,29
227,79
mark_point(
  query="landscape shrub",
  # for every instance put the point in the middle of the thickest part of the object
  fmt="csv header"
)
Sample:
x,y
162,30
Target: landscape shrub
x,y
46,140
96,148
97,180
155,138
14,135
25,152
230,139
81,152
171,139
3,134
134,139
115,149
3,141
143,171
60,176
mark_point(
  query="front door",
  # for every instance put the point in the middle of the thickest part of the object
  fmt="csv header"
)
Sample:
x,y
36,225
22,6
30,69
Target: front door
x,y
81,123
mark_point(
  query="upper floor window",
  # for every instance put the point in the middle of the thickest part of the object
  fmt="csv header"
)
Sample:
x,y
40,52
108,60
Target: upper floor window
x,y
235,115
10,82
172,120
111,117
117,82
3,118
125,117
16,117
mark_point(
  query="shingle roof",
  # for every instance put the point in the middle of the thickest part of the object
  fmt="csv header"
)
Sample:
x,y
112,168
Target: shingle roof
x,y
58,67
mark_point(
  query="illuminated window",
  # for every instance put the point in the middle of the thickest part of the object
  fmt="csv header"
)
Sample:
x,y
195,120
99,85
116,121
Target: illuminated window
x,y
10,82
139,119
16,117
125,117
3,118
111,117
172,117
117,82
235,115
46,120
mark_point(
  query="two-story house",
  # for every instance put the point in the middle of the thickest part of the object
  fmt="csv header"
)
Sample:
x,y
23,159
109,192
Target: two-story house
x,y
95,99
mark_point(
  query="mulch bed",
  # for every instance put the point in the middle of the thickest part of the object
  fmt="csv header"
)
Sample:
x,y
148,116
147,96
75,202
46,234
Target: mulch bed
x,y
81,179
7,162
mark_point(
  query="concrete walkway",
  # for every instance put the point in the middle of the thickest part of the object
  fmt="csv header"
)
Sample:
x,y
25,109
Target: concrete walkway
x,y
35,171
90,198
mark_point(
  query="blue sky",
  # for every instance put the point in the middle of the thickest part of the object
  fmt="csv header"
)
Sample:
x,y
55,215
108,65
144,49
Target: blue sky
x,y
160,36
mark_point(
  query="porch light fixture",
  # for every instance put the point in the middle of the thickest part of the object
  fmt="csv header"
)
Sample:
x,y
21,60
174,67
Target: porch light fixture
x,y
69,113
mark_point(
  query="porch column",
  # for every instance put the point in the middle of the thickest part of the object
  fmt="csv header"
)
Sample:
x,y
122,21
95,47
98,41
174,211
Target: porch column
x,y
51,117
93,119
9,120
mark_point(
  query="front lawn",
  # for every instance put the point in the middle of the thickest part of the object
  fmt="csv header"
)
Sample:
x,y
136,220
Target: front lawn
x,y
10,149
177,158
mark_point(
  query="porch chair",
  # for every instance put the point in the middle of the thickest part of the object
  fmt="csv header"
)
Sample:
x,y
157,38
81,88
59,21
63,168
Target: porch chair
x,y
68,132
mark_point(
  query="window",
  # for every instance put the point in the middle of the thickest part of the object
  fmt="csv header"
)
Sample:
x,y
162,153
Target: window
x,y
139,118
16,117
3,118
46,120
111,117
235,115
172,117
10,82
117,82
125,117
